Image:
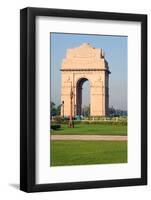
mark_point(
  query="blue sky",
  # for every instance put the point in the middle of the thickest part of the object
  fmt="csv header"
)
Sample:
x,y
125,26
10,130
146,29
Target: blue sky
x,y
115,48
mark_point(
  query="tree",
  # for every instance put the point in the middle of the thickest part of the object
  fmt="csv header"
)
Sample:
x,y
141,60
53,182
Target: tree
x,y
53,109
58,110
117,112
112,111
86,111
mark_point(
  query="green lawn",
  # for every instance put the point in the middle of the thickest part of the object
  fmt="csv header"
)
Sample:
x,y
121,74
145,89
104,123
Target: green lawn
x,y
91,129
87,152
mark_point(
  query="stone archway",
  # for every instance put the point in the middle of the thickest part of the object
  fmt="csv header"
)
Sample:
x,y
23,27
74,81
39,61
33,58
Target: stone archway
x,y
81,64
79,84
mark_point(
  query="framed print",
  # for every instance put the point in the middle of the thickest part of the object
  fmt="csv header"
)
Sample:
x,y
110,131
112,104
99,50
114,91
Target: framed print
x,y
83,99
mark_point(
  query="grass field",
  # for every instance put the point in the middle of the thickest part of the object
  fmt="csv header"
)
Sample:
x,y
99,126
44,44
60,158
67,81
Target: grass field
x,y
65,153
91,129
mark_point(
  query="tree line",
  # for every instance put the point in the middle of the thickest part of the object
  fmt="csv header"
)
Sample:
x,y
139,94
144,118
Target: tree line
x,y
56,111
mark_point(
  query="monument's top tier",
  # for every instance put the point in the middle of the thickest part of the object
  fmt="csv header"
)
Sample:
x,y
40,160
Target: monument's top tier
x,y
84,57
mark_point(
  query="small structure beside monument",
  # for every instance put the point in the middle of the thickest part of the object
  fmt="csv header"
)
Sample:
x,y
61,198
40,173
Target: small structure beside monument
x,y
81,64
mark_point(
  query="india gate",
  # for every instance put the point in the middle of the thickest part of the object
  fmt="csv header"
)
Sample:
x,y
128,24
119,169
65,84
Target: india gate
x,y
81,64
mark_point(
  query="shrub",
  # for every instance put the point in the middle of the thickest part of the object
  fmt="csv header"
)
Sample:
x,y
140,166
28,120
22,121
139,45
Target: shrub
x,y
101,121
55,126
57,119
109,122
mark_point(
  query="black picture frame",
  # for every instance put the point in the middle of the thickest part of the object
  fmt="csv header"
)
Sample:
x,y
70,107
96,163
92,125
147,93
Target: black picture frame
x,y
28,99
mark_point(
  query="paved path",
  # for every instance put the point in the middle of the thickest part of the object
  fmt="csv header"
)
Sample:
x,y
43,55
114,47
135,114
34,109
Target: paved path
x,y
90,137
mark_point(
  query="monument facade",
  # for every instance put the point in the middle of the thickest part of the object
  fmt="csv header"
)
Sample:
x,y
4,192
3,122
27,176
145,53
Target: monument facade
x,y
81,64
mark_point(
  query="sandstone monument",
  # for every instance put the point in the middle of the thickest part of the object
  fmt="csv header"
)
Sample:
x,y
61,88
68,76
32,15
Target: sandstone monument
x,y
81,64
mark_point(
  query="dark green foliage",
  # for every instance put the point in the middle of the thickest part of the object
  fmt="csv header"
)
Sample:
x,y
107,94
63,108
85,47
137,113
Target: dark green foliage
x,y
55,126
55,110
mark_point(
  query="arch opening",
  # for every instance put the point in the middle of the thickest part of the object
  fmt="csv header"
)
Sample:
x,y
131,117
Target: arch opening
x,y
82,97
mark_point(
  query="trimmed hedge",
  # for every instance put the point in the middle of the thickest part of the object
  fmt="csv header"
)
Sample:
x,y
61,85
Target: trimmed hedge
x,y
55,126
124,123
